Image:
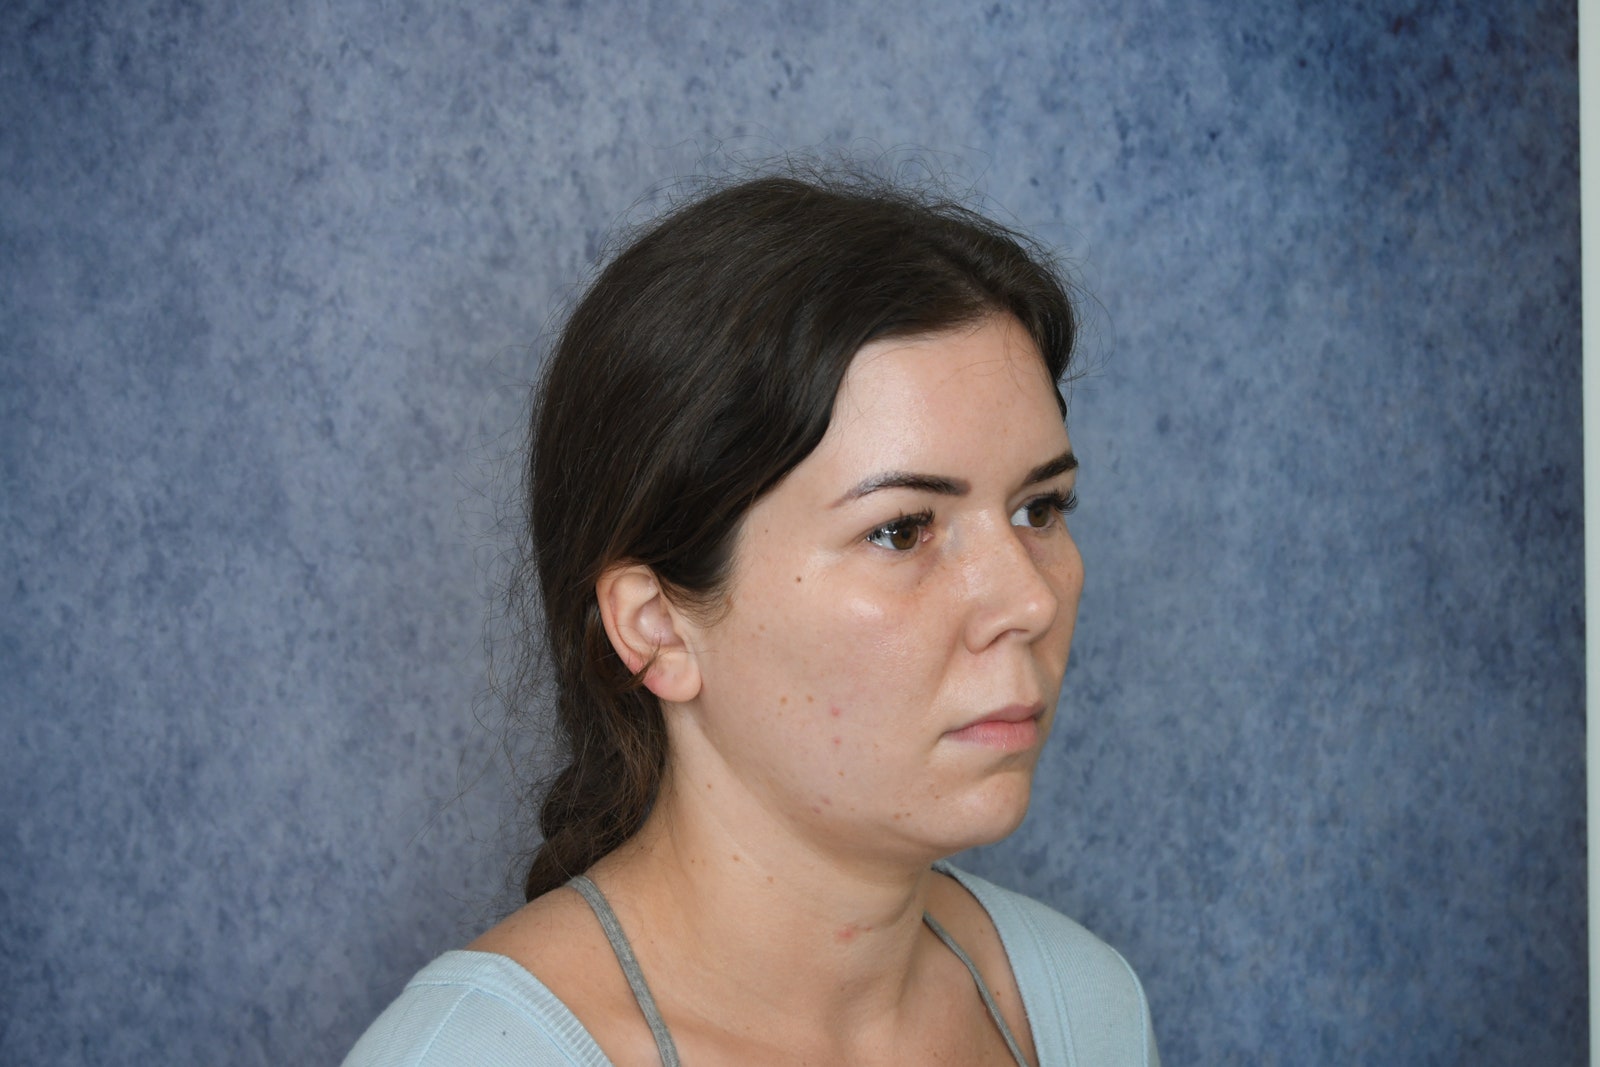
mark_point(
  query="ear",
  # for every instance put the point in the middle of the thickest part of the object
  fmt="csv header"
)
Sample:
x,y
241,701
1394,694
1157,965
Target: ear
x,y
648,632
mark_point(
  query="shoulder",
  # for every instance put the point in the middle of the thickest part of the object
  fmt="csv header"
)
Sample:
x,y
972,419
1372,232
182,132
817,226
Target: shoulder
x,y
476,1008
1080,994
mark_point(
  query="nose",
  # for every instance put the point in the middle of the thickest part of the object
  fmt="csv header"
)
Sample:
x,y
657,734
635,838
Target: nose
x,y
1017,587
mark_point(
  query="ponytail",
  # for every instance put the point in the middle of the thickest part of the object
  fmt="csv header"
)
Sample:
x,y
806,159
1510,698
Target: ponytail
x,y
616,743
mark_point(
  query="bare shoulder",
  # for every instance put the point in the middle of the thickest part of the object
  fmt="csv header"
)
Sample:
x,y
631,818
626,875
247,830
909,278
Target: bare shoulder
x,y
550,925
558,940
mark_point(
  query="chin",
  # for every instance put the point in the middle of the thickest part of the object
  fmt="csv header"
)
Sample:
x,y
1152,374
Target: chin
x,y
991,813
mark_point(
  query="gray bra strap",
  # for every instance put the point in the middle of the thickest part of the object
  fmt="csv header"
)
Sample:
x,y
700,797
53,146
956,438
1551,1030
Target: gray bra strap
x,y
630,967
983,987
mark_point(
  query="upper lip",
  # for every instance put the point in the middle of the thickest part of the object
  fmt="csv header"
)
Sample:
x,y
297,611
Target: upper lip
x,y
1009,713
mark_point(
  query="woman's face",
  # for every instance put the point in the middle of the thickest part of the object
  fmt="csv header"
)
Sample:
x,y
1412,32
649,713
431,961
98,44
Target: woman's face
x,y
901,606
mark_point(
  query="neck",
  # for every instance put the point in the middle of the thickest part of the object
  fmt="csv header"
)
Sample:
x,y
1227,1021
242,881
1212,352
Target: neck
x,y
742,910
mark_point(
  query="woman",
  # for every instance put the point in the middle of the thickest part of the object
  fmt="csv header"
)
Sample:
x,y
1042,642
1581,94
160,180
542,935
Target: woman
x,y
797,495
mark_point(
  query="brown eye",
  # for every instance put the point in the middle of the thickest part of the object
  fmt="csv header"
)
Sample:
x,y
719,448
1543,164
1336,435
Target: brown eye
x,y
1042,512
1035,514
902,535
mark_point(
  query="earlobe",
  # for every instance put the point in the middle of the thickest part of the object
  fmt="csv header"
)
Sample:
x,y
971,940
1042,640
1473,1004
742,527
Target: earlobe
x,y
648,632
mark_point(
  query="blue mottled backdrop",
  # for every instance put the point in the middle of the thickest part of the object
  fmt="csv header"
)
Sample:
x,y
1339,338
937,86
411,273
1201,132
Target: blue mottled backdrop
x,y
273,274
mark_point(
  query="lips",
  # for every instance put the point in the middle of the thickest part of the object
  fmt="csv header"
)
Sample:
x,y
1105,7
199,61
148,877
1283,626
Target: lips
x,y
1013,727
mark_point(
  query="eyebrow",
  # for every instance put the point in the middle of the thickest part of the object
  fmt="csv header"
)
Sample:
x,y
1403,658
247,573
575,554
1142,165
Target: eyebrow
x,y
1060,465
935,483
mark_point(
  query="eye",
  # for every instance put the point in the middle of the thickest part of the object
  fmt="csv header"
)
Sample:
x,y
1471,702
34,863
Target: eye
x,y
903,534
1041,511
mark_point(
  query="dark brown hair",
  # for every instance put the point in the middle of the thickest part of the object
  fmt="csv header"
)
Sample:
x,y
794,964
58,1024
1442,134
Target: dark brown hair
x,y
699,368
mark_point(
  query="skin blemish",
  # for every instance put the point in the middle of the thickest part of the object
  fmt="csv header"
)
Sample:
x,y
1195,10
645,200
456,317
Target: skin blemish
x,y
848,933
810,699
797,579
817,810
827,802
783,700
838,740
835,711
736,857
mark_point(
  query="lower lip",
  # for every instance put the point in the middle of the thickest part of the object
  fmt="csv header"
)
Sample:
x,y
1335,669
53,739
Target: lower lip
x,y
996,733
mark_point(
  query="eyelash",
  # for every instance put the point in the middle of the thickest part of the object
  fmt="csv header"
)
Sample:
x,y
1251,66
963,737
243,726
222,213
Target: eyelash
x,y
1062,504
905,523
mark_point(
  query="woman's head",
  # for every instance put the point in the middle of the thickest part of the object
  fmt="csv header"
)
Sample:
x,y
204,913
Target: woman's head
x,y
701,367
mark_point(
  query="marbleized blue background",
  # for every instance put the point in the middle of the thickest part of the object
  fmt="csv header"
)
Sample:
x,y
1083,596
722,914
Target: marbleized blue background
x,y
273,274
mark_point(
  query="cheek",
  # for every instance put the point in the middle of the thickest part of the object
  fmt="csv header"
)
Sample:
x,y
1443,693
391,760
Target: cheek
x,y
833,674
1074,576
1066,578
855,628
828,656
891,647
1068,581
882,668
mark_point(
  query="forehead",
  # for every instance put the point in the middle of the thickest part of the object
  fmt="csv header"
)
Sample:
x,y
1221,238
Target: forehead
x,y
978,391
